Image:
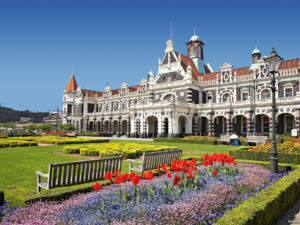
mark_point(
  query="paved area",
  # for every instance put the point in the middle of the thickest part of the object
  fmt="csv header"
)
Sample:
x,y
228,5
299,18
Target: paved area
x,y
291,216
121,138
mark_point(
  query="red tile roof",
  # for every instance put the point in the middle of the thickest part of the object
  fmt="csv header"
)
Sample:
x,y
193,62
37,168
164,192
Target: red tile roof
x,y
288,64
91,93
134,88
72,84
185,61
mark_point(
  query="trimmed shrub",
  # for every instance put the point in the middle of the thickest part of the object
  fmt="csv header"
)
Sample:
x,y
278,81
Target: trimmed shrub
x,y
189,140
73,149
264,156
128,150
267,206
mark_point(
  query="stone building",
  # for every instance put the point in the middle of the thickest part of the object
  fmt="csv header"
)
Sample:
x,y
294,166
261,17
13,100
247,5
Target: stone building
x,y
186,97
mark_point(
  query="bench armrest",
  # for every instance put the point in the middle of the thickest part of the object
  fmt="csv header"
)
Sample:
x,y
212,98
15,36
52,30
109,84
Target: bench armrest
x,y
41,174
135,161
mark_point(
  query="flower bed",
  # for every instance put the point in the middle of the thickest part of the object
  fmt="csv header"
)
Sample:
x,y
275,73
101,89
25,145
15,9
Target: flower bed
x,y
288,152
29,141
291,146
128,150
185,195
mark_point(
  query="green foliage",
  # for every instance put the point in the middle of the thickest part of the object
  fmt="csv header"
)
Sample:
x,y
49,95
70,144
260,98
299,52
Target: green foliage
x,y
212,141
45,127
89,133
264,156
267,206
128,150
8,125
66,127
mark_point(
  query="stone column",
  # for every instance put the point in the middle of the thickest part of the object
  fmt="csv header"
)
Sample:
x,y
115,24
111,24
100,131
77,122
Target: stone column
x,y
94,125
102,127
297,125
249,122
129,127
228,123
110,126
159,126
119,127
210,124
194,125
87,125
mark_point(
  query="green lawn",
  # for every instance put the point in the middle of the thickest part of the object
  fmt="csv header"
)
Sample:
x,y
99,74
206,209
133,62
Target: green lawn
x,y
18,164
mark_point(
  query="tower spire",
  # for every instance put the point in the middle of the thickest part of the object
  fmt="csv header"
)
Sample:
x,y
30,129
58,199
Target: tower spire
x,y
72,84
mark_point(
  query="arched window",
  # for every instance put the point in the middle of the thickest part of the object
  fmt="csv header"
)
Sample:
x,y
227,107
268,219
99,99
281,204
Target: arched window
x,y
265,94
226,97
192,51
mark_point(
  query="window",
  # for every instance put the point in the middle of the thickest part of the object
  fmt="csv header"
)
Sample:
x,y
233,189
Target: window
x,y
226,97
288,92
244,96
265,94
209,98
192,51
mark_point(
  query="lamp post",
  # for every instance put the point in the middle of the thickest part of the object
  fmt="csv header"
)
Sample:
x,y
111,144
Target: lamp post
x,y
273,62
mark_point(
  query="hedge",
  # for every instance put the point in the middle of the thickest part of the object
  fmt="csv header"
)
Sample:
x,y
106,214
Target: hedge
x,y
128,150
1,198
188,141
268,205
264,156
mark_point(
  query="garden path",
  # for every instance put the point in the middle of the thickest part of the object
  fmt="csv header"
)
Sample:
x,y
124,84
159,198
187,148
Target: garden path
x,y
292,216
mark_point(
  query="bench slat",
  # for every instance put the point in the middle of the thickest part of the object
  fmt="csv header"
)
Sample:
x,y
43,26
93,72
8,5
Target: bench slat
x,y
63,174
54,176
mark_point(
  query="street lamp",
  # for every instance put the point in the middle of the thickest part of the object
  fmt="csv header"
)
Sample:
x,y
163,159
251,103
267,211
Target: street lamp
x,y
273,62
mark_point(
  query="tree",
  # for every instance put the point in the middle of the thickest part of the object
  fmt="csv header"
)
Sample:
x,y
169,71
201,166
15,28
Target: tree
x,y
45,127
67,127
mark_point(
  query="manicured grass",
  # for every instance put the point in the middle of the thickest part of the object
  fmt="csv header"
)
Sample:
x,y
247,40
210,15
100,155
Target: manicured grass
x,y
18,164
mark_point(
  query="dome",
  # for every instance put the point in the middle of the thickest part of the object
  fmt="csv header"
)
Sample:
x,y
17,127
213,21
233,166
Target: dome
x,y
194,38
255,51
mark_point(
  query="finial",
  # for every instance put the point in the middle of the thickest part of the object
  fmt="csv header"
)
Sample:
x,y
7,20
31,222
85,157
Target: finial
x,y
159,60
194,30
107,83
171,26
73,70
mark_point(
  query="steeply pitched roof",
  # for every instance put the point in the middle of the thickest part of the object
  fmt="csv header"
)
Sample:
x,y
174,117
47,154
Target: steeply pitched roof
x,y
185,61
72,84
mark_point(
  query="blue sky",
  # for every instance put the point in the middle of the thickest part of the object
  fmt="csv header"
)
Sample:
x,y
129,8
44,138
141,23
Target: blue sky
x,y
121,41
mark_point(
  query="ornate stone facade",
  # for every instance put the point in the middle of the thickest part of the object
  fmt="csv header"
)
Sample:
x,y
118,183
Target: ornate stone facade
x,y
187,98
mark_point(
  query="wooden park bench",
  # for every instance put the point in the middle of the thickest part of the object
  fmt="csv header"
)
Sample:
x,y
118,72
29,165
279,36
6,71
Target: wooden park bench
x,y
71,173
223,138
150,159
256,139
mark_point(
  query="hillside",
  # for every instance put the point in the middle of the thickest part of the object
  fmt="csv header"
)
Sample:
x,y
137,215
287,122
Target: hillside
x,y
10,115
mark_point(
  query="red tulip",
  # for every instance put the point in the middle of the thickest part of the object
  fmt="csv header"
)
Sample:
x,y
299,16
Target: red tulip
x,y
97,186
135,180
215,172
